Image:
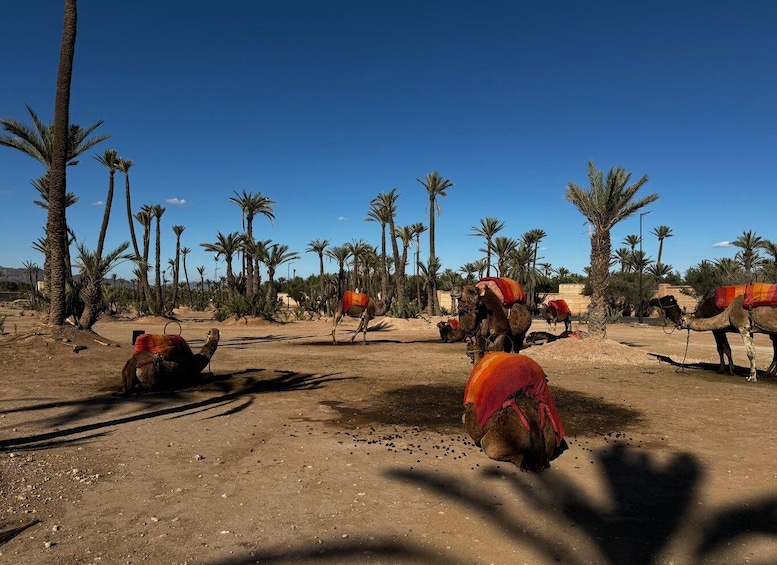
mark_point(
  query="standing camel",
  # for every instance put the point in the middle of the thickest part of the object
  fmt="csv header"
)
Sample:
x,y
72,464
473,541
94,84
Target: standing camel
x,y
357,305
166,361
557,311
760,319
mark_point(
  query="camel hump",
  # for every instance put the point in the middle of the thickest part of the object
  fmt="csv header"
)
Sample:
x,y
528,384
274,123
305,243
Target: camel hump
x,y
508,290
724,295
561,306
354,299
162,344
760,294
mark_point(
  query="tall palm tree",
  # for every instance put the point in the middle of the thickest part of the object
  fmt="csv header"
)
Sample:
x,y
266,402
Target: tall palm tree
x,y
771,249
145,217
201,271
382,209
468,270
177,230
318,246
624,257
632,241
156,211
435,186
359,249
42,186
108,159
277,256
252,204
489,227
32,269
124,166
605,203
184,252
339,253
226,245
661,232
532,239
503,248
417,228
749,243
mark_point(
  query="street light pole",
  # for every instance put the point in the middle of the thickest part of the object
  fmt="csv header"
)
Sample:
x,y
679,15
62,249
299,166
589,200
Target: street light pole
x,y
641,263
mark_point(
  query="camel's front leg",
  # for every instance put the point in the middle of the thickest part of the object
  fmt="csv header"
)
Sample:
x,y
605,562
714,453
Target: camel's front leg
x,y
362,327
747,338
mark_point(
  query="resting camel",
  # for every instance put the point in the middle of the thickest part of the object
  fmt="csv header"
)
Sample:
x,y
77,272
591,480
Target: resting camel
x,y
510,414
707,309
557,311
484,319
357,305
746,321
450,332
165,361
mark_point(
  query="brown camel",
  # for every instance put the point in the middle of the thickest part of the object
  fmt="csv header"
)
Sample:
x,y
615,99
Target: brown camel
x,y
484,320
510,414
557,311
450,332
360,306
707,309
167,363
746,321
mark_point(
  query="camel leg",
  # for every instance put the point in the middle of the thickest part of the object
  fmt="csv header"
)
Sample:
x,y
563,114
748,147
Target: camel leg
x,y
724,351
363,321
772,370
747,338
334,327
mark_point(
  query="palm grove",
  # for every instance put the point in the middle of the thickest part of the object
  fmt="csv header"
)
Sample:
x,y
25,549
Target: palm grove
x,y
379,270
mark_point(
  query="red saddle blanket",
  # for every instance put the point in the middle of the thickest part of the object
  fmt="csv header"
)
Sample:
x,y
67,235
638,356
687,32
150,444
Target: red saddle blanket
x,y
351,299
453,323
162,344
498,376
561,306
725,294
508,290
760,294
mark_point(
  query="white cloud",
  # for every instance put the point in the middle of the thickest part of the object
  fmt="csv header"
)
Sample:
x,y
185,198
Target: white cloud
x,y
176,201
342,219
722,244
98,203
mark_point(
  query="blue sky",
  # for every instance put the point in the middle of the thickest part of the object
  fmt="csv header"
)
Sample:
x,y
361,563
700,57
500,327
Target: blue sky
x,y
321,106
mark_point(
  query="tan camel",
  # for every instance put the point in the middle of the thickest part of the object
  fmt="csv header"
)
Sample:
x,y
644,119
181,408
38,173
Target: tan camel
x,y
366,313
746,321
557,311
171,367
450,332
510,414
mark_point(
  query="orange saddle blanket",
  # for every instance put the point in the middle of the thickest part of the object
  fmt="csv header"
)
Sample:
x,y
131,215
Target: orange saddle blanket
x,y
508,290
351,299
725,294
760,294
162,344
498,376
453,323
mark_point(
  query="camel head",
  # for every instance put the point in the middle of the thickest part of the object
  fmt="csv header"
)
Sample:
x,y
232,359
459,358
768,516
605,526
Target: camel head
x,y
669,308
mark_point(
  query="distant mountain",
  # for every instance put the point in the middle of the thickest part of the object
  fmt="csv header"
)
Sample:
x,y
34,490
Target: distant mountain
x,y
9,274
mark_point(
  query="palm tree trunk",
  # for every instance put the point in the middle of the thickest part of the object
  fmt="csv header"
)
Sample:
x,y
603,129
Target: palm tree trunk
x,y
56,229
600,275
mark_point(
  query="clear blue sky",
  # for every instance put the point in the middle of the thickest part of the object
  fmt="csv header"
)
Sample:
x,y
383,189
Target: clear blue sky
x,y
322,105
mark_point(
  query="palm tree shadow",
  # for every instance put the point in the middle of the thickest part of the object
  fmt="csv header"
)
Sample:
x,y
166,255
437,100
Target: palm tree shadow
x,y
230,394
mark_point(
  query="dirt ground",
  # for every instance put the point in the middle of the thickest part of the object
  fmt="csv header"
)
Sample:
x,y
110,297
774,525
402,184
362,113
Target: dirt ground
x,y
297,451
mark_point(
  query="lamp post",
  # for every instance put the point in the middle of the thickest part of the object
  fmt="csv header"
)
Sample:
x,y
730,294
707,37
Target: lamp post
x,y
641,263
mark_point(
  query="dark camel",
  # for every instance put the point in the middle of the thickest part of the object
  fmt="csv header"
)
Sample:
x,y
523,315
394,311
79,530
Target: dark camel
x,y
369,312
179,367
550,312
449,333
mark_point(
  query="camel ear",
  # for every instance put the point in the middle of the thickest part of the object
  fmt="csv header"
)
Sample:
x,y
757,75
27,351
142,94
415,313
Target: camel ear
x,y
481,291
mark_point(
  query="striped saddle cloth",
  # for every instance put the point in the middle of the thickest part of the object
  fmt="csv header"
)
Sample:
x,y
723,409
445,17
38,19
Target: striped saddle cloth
x,y
162,344
508,290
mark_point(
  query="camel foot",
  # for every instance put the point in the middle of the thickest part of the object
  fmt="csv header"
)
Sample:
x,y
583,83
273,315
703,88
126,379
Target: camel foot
x,y
752,379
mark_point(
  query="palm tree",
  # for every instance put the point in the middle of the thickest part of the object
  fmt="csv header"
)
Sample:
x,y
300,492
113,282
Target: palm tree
x,y
156,212
624,257
201,271
42,186
277,256
417,228
177,230
94,268
32,269
661,232
108,159
532,239
605,203
503,248
124,166
435,186
252,204
382,209
749,243
632,241
489,227
144,217
318,247
185,251
771,248
358,249
339,253
468,270
226,245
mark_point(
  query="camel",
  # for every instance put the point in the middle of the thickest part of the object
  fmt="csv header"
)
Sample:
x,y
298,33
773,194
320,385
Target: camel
x,y
557,311
165,361
450,332
357,305
484,319
510,414
746,321
707,309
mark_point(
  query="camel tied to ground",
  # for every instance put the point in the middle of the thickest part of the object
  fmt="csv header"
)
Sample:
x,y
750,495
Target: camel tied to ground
x,y
744,320
557,311
486,319
510,414
165,361
357,305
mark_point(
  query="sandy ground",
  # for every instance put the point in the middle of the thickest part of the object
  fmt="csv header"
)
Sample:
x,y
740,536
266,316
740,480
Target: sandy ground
x,y
297,451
